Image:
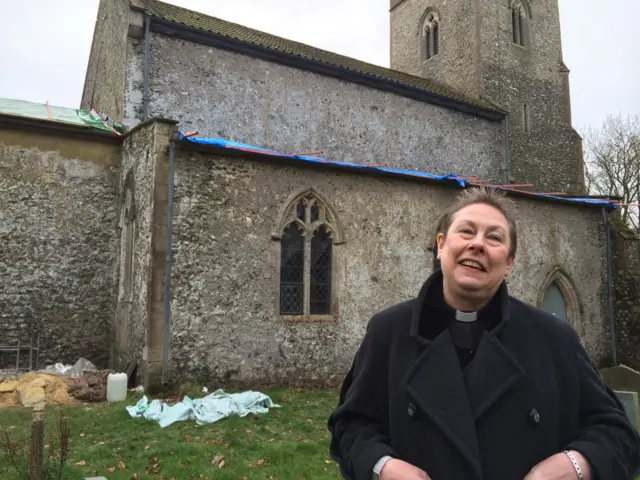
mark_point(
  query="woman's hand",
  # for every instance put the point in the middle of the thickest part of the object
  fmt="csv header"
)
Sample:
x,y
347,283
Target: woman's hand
x,y
559,467
396,469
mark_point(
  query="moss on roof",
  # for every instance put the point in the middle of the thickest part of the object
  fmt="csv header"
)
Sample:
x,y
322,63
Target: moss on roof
x,y
235,31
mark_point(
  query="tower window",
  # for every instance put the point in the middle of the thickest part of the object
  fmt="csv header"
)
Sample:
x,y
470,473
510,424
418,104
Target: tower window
x,y
431,35
520,22
526,120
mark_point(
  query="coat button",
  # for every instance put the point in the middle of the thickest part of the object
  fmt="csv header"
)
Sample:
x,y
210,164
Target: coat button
x,y
411,410
534,417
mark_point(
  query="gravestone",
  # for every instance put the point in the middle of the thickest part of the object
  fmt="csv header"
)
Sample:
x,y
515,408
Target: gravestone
x,y
625,382
631,405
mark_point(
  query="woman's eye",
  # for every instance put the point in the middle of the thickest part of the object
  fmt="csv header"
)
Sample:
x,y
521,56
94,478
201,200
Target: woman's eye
x,y
496,238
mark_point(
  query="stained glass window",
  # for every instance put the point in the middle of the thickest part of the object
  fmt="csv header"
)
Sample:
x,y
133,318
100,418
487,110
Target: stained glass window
x,y
292,272
320,281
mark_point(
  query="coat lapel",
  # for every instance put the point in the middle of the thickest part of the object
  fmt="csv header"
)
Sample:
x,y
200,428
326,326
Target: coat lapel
x,y
436,384
490,375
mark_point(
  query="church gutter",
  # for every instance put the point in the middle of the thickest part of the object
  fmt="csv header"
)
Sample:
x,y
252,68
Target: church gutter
x,y
169,261
612,328
145,74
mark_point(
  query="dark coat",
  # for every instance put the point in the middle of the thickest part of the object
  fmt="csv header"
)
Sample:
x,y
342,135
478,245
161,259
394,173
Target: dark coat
x,y
530,392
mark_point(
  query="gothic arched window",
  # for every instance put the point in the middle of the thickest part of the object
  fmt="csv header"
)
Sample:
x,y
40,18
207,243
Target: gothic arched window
x,y
554,303
559,297
431,35
309,229
520,19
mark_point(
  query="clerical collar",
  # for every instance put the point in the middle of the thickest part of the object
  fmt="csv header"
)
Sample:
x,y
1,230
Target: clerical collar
x,y
466,317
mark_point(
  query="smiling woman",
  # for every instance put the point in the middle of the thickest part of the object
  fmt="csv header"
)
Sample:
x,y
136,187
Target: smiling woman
x,y
460,366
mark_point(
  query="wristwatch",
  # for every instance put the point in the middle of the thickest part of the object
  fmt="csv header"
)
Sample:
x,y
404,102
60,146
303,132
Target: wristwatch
x,y
377,468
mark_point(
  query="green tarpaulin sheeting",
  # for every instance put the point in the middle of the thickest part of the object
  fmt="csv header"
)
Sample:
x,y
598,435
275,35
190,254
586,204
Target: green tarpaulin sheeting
x,y
76,116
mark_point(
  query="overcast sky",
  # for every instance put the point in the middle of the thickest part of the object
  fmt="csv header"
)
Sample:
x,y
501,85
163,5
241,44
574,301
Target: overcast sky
x,y
44,44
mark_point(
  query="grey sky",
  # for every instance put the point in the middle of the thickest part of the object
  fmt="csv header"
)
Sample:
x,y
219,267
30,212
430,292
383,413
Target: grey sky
x,y
44,44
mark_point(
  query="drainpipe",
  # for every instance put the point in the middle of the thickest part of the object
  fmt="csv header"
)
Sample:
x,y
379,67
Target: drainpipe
x,y
169,260
505,123
145,73
612,329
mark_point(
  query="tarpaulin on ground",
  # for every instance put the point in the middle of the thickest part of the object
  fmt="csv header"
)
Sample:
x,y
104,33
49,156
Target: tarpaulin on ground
x,y
209,409
461,181
87,118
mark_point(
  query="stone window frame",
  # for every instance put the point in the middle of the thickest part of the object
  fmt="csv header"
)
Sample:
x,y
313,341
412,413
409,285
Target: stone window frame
x,y
569,292
127,239
332,223
429,34
521,29
526,118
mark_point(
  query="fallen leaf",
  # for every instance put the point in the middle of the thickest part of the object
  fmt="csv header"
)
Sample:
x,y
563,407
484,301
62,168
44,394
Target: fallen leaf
x,y
121,465
261,461
197,438
111,469
171,452
82,434
218,460
147,447
81,463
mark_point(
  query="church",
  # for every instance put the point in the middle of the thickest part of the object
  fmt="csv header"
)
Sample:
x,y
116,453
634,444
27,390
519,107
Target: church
x,y
268,197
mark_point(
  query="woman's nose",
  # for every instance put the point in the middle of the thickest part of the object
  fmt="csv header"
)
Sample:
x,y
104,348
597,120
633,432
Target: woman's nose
x,y
476,245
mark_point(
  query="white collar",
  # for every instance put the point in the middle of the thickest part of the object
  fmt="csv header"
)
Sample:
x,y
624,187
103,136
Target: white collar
x,y
466,317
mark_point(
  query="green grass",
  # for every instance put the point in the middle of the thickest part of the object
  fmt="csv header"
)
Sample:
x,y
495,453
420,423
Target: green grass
x,y
287,443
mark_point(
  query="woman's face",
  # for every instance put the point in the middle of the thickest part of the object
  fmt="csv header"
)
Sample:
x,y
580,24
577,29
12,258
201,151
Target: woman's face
x,y
474,256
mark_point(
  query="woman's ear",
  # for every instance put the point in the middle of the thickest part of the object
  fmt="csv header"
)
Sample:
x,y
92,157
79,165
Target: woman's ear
x,y
439,243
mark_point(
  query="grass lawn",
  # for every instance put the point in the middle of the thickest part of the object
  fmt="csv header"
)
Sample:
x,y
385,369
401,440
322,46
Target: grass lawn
x,y
287,443
290,442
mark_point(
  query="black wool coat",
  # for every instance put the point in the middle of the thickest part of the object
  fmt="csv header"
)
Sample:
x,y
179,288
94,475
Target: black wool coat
x,y
530,392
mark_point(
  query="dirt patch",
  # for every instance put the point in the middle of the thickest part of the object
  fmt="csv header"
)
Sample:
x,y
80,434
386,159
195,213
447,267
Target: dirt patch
x,y
35,386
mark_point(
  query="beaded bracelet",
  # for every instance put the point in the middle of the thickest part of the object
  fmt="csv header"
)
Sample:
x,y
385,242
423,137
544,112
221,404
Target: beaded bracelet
x,y
575,463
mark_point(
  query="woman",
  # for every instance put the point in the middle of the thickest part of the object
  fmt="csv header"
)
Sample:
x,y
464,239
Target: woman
x,y
465,382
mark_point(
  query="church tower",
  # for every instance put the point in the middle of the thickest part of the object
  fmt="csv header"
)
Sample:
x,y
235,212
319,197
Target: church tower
x,y
508,52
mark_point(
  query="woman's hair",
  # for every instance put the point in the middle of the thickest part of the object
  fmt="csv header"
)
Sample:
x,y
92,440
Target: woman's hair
x,y
495,198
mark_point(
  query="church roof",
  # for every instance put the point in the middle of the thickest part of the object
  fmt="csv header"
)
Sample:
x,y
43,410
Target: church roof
x,y
374,75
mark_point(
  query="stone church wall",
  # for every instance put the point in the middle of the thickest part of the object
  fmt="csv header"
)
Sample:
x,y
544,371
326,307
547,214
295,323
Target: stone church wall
x,y
237,97
139,314
626,288
225,324
57,247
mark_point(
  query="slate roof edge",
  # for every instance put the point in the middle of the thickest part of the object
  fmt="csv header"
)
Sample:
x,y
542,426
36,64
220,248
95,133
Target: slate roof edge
x,y
20,122
288,160
184,32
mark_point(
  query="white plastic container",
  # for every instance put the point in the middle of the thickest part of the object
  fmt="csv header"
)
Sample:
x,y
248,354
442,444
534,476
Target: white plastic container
x,y
117,387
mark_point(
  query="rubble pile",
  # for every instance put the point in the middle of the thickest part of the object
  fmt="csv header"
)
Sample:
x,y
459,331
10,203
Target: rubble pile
x,y
56,384
91,387
34,388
